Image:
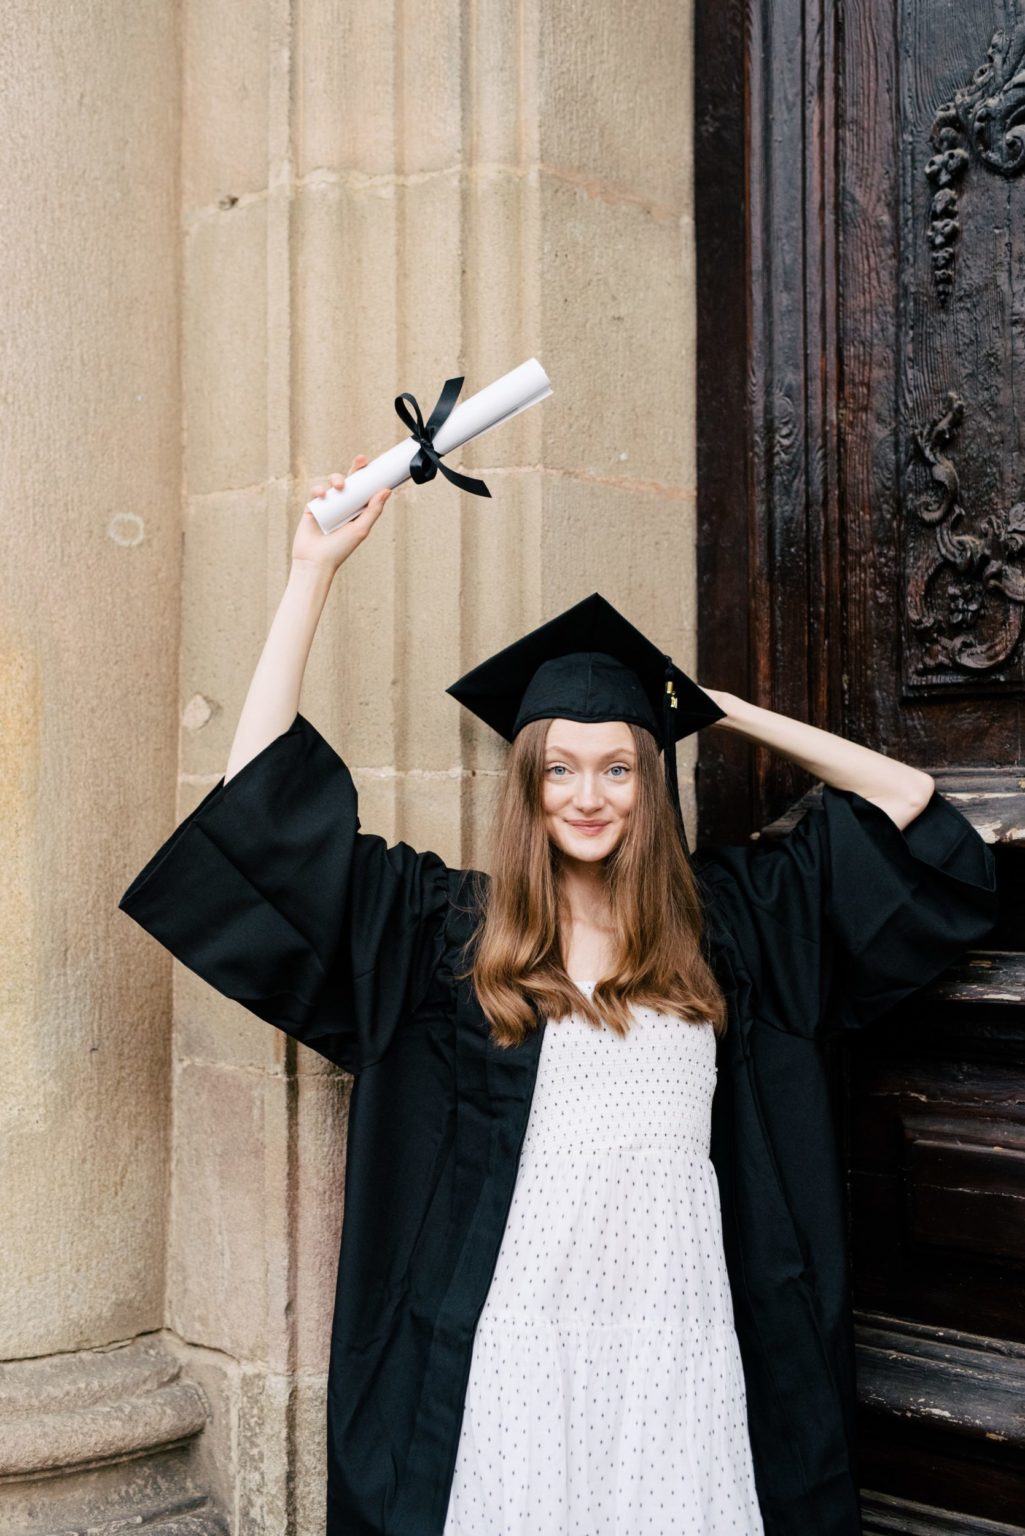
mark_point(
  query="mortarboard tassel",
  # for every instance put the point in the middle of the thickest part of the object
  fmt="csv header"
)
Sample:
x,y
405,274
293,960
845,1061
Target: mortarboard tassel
x,y
669,703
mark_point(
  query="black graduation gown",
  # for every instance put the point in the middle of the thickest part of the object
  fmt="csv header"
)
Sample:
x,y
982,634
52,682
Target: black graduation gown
x,y
271,893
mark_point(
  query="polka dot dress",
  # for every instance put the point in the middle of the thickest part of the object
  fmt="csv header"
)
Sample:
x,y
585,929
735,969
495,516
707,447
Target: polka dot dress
x,y
606,1394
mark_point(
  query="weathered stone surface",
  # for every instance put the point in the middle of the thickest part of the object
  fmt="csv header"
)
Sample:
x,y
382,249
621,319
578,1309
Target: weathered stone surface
x,y
101,1441
371,198
225,349
226,80
347,325
90,471
614,295
362,65
102,1432
506,109
429,808
221,1227
629,129
198,1519
311,1455
351,681
213,1455
265,1451
213,1030
224,601
651,582
63,1411
318,1196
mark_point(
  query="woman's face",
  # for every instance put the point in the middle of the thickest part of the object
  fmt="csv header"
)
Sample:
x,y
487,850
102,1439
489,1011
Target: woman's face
x,y
590,783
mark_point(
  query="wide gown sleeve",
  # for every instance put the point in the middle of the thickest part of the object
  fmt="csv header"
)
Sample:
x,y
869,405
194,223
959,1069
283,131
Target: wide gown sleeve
x,y
269,891
847,914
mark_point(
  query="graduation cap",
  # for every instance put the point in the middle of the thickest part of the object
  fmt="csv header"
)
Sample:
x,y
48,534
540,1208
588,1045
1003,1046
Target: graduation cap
x,y
589,663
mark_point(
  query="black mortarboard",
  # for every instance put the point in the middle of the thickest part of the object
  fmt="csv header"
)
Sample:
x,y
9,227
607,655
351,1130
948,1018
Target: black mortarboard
x,y
589,663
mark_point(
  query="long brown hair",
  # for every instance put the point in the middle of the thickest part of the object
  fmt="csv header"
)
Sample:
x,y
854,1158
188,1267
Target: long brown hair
x,y
654,903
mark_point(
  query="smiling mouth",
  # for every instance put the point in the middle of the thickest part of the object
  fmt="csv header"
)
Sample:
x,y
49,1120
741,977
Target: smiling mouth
x,y
589,826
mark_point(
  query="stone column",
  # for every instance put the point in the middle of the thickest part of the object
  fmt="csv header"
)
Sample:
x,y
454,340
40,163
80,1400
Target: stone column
x,y
373,197
97,1419
377,196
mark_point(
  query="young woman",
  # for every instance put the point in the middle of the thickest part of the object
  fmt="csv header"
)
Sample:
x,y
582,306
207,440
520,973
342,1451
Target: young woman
x,y
592,1274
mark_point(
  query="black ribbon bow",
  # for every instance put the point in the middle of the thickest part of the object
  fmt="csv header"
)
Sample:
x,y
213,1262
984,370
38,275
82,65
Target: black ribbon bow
x,y
427,461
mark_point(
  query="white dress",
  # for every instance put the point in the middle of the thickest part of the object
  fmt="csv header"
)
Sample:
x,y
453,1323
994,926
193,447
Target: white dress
x,y
606,1393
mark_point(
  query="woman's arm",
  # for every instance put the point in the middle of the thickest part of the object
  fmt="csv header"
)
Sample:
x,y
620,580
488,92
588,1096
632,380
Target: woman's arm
x,y
897,788
273,698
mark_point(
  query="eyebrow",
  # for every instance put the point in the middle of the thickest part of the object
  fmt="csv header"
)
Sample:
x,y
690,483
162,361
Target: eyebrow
x,y
613,756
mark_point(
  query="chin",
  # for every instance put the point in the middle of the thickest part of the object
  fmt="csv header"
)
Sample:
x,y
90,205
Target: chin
x,y
589,850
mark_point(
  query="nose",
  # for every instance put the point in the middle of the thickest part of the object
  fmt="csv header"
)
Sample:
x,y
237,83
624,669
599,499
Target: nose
x,y
589,795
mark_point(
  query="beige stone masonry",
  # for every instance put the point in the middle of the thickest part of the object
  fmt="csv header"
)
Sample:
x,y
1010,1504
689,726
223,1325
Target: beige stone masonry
x,y
235,232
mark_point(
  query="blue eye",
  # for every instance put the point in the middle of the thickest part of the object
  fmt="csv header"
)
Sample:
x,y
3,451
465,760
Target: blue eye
x,y
619,768
557,768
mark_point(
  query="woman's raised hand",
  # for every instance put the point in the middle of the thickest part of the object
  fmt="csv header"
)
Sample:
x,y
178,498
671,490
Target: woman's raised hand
x,y
328,550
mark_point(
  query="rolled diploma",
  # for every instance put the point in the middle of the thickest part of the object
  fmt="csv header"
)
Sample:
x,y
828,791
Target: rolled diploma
x,y
488,408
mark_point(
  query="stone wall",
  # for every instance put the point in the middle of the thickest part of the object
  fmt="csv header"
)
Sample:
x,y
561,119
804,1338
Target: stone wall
x,y
337,202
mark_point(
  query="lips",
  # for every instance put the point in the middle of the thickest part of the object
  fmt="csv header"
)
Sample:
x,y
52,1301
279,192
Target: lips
x,y
588,826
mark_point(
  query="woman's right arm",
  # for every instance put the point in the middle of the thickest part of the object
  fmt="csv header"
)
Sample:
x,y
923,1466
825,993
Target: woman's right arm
x,y
269,890
273,698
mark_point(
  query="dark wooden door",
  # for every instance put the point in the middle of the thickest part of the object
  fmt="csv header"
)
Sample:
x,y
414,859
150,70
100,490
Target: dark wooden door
x,y
860,189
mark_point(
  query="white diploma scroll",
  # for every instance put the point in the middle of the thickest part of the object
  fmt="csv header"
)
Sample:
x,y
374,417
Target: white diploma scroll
x,y
489,407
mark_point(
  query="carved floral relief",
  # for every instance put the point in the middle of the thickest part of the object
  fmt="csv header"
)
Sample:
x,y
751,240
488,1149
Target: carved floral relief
x,y
966,585
984,122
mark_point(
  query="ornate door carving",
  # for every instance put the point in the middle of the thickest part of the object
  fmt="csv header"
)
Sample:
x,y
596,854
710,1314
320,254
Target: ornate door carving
x,y
861,409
